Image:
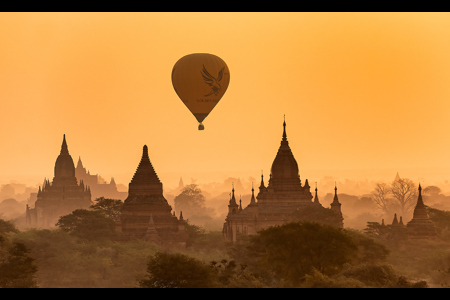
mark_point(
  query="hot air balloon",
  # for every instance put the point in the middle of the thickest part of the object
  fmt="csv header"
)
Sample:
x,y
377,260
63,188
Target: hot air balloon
x,y
200,80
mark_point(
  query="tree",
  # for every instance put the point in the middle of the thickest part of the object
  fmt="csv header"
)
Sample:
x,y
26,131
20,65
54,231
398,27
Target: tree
x,y
190,200
167,270
369,251
431,190
405,194
110,207
17,268
381,196
194,233
440,219
7,226
432,193
230,275
87,224
375,229
295,249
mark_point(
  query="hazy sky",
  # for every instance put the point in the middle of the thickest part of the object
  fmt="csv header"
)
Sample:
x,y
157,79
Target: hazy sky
x,y
359,90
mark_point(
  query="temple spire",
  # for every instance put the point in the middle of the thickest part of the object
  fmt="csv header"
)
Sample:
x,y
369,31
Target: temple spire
x,y
335,199
64,149
419,199
233,199
145,181
262,181
420,226
395,221
253,200
284,130
152,234
233,207
316,198
336,206
335,202
145,168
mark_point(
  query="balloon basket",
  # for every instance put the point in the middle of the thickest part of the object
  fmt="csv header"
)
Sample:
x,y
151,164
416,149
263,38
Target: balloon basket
x,y
201,126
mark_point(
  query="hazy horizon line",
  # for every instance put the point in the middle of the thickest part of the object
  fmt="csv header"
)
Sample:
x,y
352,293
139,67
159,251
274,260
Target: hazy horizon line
x,y
359,174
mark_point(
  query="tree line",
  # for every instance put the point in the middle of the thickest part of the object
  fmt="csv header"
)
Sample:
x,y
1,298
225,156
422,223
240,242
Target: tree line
x,y
83,252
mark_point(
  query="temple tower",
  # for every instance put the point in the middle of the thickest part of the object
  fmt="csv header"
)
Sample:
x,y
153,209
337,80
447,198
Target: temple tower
x,y
284,182
336,207
60,197
420,226
281,201
316,198
99,187
146,214
233,207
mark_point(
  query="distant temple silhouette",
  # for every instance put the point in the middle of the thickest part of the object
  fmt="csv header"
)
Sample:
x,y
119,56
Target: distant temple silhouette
x,y
283,195
420,227
60,197
146,214
98,188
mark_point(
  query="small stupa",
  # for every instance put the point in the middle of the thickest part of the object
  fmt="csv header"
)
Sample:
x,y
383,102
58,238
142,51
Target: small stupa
x,y
420,226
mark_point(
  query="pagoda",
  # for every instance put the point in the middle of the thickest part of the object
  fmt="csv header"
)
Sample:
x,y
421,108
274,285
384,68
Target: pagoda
x,y
60,197
276,202
99,187
146,214
420,227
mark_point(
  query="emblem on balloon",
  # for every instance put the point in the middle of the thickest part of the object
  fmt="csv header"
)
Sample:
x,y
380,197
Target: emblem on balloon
x,y
211,81
200,80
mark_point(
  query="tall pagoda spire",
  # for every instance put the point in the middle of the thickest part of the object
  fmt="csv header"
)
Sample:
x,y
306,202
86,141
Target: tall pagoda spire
x,y
335,199
181,184
262,186
316,198
336,206
64,149
233,207
284,165
420,210
79,164
233,199
145,180
253,200
64,167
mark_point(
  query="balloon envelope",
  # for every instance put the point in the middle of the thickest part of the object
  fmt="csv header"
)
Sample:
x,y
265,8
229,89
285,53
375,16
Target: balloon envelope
x,y
200,80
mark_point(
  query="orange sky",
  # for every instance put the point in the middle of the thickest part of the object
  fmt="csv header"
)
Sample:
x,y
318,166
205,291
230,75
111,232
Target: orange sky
x,y
359,90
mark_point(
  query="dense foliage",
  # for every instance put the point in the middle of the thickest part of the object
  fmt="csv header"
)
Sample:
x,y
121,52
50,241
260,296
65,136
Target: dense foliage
x,y
166,270
17,267
190,201
292,250
88,224
110,207
82,253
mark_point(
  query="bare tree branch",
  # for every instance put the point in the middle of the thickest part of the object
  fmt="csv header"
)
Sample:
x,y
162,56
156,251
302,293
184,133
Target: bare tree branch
x,y
405,193
381,196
